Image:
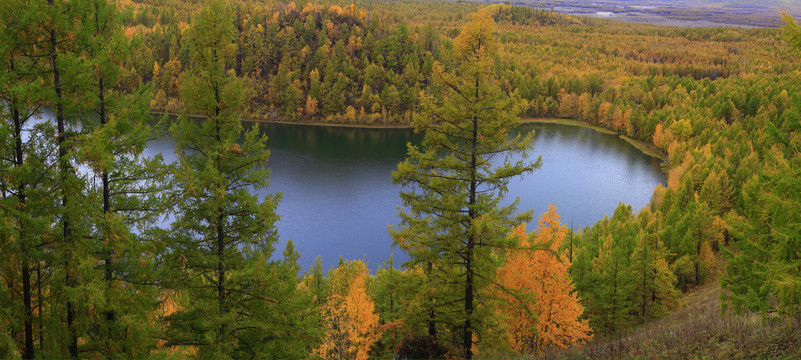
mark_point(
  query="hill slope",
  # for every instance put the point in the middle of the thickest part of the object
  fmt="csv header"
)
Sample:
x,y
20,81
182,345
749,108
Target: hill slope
x,y
699,330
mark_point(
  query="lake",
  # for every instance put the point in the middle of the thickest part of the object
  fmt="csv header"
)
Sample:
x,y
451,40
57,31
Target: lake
x,y
338,196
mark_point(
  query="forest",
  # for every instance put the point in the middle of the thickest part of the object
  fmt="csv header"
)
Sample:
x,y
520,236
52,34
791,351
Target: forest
x,y
109,253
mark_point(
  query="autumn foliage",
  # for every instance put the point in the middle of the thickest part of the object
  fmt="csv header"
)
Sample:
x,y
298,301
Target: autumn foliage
x,y
537,293
719,106
349,318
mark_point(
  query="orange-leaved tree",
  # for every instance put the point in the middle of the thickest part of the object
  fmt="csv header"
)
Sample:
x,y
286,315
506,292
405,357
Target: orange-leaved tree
x,y
349,319
536,291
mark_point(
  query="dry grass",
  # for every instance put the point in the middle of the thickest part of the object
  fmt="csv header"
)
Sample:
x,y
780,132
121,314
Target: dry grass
x,y
699,330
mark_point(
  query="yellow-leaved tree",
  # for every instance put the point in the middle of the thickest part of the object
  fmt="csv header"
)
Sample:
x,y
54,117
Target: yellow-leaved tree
x,y
536,292
348,315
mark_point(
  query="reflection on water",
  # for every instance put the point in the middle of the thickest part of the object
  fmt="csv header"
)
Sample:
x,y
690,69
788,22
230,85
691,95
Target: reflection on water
x,y
338,197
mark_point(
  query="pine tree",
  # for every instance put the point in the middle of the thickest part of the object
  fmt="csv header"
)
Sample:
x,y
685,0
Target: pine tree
x,y
454,217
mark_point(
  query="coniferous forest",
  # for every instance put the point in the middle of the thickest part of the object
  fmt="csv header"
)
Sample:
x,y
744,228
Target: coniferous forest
x,y
106,252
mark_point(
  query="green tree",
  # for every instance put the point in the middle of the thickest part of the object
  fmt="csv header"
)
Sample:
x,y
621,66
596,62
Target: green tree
x,y
655,285
454,217
792,30
603,272
223,235
391,288
60,28
128,183
763,271
25,177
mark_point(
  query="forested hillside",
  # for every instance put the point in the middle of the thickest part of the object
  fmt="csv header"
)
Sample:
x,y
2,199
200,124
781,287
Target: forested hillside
x,y
108,253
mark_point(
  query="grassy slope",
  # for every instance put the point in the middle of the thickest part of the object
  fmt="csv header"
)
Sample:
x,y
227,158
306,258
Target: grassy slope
x,y
699,330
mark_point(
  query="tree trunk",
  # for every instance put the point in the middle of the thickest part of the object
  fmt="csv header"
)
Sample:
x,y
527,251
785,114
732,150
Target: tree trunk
x,y
467,337
109,274
220,227
64,170
432,325
24,241
614,300
644,277
41,304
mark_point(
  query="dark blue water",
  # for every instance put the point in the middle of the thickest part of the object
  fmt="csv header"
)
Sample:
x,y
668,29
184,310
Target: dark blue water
x,y
338,197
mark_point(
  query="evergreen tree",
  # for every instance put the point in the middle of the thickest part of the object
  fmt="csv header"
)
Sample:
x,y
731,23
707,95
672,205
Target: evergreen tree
x,y
24,177
655,287
763,270
454,217
59,27
603,272
115,137
237,302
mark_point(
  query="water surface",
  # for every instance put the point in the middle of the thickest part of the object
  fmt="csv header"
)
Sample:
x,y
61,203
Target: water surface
x,y
338,196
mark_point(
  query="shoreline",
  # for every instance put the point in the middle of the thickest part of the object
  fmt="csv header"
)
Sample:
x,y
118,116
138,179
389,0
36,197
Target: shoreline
x,y
646,148
307,123
318,123
569,122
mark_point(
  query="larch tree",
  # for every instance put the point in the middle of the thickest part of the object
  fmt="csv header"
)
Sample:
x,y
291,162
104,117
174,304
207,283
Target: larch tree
x,y
25,177
655,284
54,46
603,274
763,271
42,42
315,283
223,234
452,217
348,317
127,184
391,288
613,295
537,293
60,36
